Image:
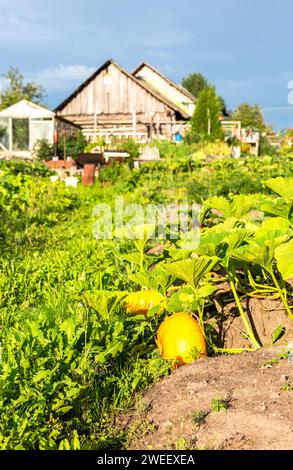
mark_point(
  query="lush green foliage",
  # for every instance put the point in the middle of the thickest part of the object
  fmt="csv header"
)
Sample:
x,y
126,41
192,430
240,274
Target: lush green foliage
x,y
206,118
250,116
19,89
71,358
71,145
195,83
43,150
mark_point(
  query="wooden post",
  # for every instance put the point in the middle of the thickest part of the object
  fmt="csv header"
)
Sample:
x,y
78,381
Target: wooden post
x,y
152,126
88,174
10,146
95,126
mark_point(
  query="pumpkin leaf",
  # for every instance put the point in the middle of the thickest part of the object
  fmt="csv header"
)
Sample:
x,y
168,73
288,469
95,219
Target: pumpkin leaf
x,y
192,270
281,186
283,255
277,207
239,206
273,228
254,254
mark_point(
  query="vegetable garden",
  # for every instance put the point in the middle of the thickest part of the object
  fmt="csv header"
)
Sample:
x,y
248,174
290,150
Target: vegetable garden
x,y
80,317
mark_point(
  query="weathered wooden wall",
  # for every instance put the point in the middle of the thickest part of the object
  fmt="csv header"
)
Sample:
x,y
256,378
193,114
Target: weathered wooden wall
x,y
113,92
113,103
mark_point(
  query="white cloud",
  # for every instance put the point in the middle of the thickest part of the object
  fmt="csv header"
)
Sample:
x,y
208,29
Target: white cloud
x,y
62,77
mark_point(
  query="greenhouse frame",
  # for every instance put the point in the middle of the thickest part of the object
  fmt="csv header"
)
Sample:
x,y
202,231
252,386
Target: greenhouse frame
x,y
25,123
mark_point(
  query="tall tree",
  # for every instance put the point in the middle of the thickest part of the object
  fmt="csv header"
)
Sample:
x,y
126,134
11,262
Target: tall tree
x,y
206,119
18,89
195,83
250,116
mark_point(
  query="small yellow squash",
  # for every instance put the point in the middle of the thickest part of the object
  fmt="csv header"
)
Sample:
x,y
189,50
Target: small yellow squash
x,y
139,303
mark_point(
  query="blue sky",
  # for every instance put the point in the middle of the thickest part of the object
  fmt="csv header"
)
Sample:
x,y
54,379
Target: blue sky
x,y
244,47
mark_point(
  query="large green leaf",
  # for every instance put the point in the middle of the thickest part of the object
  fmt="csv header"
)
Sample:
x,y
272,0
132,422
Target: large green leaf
x,y
231,242
272,228
209,243
277,207
239,206
254,254
281,186
228,225
219,203
242,205
236,239
284,257
151,279
192,270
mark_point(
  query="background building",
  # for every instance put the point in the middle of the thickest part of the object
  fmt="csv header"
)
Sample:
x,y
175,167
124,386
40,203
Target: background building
x,y
114,103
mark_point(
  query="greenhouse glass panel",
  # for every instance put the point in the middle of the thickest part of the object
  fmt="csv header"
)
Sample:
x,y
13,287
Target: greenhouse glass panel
x,y
4,133
41,129
20,135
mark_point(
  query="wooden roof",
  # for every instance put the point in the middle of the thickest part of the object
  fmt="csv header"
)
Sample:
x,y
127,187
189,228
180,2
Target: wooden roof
x,y
175,85
140,83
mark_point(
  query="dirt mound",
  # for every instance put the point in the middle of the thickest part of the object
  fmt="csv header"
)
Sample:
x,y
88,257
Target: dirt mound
x,y
228,402
265,315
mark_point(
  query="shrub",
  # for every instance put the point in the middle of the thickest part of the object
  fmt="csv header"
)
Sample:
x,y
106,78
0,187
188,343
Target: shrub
x,y
71,146
43,150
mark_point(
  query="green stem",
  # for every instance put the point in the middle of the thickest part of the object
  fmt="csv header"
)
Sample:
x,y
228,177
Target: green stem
x,y
247,325
200,311
141,261
280,292
233,351
256,284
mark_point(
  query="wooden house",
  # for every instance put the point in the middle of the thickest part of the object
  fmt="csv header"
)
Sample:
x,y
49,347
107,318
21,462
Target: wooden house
x,y
114,103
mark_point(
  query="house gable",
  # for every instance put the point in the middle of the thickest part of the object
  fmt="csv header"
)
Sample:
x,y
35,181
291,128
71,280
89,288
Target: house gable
x,y
181,97
113,91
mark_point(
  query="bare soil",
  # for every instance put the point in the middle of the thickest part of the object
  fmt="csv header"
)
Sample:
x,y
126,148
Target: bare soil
x,y
257,391
265,316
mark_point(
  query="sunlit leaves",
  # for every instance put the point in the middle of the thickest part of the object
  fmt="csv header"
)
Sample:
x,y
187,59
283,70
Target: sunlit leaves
x,y
281,186
284,257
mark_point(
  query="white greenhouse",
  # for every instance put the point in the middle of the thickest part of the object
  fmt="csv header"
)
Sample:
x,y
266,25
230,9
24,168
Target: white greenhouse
x,y
25,123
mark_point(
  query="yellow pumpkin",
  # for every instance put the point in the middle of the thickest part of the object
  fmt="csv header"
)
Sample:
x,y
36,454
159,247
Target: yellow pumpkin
x,y
180,339
139,303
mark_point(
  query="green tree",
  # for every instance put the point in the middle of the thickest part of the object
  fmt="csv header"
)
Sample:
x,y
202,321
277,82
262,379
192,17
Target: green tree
x,y
206,119
19,89
225,112
250,116
195,83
